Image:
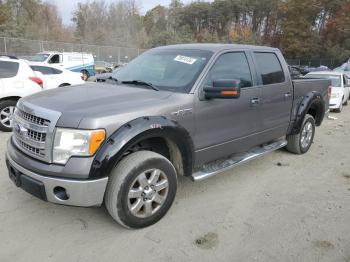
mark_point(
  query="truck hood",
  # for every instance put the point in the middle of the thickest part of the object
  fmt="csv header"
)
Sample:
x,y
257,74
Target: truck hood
x,y
96,100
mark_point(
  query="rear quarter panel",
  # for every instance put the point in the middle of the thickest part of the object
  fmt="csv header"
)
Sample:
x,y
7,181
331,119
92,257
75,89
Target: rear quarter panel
x,y
305,86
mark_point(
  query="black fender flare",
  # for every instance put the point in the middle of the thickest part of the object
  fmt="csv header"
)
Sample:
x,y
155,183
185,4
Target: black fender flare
x,y
313,99
113,149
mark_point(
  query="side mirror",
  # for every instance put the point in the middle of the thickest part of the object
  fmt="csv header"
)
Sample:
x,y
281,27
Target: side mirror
x,y
224,89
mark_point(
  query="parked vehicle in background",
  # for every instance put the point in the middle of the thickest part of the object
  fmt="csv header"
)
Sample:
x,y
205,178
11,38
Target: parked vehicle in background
x,y
340,88
295,72
345,68
103,67
104,77
54,77
307,69
17,80
184,110
76,62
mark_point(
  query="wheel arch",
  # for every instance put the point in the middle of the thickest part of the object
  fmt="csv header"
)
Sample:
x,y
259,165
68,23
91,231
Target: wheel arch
x,y
166,136
64,84
312,104
14,98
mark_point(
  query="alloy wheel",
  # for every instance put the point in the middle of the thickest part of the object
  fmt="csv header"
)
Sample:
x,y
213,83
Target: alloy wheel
x,y
148,193
306,135
6,116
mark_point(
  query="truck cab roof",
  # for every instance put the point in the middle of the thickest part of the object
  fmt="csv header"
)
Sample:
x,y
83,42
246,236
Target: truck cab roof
x,y
217,47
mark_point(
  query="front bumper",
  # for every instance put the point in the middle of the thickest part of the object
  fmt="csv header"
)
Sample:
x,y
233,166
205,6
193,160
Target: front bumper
x,y
84,193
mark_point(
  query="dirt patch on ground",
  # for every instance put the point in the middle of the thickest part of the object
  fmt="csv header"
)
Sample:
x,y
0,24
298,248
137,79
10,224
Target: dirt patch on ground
x,y
208,241
323,244
346,175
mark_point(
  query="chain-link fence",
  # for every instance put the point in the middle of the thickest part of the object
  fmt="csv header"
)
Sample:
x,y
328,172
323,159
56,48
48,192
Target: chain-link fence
x,y
25,48
117,55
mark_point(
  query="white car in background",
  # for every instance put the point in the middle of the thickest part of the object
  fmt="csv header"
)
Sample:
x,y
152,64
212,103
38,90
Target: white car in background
x,y
17,80
73,61
54,77
340,88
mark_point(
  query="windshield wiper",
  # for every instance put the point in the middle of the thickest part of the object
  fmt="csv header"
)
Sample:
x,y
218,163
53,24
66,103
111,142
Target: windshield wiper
x,y
143,83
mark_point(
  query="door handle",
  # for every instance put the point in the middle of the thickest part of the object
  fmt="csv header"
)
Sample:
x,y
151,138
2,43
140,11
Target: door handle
x,y
255,101
288,95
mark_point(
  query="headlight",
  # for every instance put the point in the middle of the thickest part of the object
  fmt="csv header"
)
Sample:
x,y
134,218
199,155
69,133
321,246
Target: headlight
x,y
74,142
335,95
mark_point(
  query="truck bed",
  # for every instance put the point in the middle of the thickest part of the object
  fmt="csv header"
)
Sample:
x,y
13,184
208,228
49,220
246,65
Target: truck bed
x,y
303,86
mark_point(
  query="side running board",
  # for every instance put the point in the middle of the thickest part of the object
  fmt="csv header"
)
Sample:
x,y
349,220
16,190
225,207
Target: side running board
x,y
220,166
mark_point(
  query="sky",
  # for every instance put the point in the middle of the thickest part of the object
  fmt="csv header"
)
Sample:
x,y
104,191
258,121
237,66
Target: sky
x,y
67,7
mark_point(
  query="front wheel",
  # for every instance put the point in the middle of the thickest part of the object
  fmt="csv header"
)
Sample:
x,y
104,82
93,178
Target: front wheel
x,y
301,143
141,189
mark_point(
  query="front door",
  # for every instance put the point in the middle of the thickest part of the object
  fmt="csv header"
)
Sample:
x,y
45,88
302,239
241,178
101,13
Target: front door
x,y
227,126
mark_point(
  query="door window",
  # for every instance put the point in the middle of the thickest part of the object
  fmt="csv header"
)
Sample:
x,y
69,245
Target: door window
x,y
56,71
8,69
46,70
55,59
270,68
42,69
231,66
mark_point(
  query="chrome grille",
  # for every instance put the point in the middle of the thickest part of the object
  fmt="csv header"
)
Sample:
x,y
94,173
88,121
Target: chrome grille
x,y
31,149
36,136
33,130
33,119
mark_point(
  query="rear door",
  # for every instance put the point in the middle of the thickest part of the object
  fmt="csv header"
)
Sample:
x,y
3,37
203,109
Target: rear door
x,y
227,126
277,93
9,81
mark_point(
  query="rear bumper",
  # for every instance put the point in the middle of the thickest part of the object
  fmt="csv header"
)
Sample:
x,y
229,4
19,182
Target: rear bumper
x,y
84,193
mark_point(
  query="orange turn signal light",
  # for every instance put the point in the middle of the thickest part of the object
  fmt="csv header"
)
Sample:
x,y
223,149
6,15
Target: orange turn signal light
x,y
228,93
96,139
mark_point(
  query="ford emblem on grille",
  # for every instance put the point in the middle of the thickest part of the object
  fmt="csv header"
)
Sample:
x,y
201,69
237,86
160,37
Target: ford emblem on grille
x,y
21,130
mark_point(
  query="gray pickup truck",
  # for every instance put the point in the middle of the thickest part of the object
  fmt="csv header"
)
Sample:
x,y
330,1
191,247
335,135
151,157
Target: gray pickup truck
x,y
184,110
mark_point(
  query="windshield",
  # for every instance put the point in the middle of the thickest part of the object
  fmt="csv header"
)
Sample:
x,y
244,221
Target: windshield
x,y
336,80
39,58
174,70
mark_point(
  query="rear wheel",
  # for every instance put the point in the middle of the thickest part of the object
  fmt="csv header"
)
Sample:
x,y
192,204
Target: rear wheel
x,y
7,109
301,143
141,189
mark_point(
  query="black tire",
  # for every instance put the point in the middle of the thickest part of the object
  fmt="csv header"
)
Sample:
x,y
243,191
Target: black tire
x,y
295,141
3,109
121,181
86,74
346,103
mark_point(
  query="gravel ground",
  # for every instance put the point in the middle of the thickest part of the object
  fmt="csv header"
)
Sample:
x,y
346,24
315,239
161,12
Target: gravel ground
x,y
281,207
